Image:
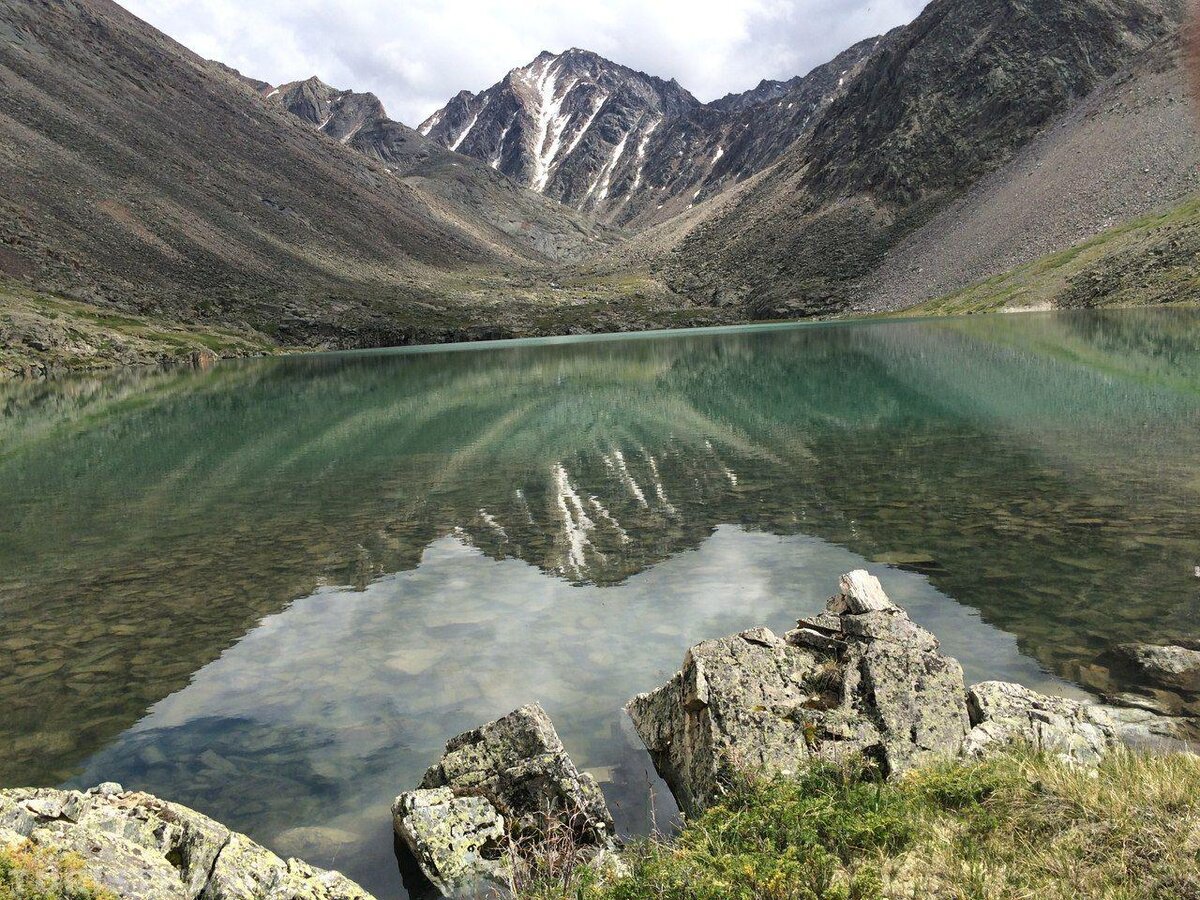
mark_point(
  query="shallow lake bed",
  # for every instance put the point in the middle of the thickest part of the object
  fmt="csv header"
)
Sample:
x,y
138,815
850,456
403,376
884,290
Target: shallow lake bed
x,y
271,591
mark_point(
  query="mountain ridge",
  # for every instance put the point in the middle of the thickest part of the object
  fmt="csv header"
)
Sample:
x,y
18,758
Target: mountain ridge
x,y
631,148
144,184
191,198
943,102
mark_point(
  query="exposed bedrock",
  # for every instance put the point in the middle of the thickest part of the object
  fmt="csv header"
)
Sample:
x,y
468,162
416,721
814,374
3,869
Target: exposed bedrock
x,y
143,848
860,678
497,790
1004,714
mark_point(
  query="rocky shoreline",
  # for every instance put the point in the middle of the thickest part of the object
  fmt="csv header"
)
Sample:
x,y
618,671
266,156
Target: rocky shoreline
x,y
139,847
859,682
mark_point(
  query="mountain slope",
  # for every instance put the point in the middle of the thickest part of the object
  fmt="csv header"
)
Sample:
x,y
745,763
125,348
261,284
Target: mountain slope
x,y
1122,153
472,194
630,147
942,102
562,124
1151,260
137,175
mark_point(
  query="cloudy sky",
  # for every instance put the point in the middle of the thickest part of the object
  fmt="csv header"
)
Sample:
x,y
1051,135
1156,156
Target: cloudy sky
x,y
416,54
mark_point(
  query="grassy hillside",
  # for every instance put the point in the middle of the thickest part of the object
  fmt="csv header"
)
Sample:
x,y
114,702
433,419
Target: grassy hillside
x,y
1152,260
42,333
1018,826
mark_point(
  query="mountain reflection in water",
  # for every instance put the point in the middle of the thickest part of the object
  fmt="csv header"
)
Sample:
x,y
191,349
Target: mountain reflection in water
x,y
274,589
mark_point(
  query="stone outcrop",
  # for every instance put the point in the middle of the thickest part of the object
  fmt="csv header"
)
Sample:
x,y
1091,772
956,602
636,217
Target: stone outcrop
x,y
1004,714
495,789
1158,678
143,848
1171,666
862,678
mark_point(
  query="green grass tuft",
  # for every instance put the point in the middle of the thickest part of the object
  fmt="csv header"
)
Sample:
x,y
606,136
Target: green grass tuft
x,y
31,873
1018,826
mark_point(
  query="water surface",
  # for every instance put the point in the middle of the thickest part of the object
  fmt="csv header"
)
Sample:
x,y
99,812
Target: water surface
x,y
273,590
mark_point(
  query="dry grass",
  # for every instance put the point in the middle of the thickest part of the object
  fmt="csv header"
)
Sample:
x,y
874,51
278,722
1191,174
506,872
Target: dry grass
x,y
1020,826
28,872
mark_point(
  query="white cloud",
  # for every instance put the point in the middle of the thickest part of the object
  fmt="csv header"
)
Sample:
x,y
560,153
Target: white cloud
x,y
417,54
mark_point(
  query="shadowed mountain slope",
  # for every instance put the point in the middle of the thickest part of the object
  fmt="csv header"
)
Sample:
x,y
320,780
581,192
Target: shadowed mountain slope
x,y
943,102
136,175
1122,153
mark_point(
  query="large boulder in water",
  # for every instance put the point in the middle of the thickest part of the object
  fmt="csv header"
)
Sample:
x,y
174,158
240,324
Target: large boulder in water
x,y
1160,678
143,848
508,781
1170,666
860,679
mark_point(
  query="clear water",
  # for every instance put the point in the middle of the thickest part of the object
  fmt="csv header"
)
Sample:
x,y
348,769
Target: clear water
x,y
272,590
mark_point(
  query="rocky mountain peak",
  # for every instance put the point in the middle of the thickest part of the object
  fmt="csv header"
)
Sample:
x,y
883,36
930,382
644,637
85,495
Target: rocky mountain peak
x,y
624,145
340,114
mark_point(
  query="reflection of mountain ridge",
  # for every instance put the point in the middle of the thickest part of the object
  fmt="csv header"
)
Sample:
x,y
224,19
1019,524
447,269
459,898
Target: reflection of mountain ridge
x,y
151,527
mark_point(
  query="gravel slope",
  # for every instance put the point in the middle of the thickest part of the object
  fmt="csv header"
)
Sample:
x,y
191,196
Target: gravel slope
x,y
1129,148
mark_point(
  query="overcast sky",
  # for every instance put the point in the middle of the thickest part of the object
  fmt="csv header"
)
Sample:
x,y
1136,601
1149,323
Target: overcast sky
x,y
416,54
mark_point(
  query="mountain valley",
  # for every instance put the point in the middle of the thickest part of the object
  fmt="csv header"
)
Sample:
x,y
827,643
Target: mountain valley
x,y
574,195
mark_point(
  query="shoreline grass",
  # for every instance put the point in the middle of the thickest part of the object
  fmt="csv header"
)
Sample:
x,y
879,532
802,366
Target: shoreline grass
x,y
28,872
1018,826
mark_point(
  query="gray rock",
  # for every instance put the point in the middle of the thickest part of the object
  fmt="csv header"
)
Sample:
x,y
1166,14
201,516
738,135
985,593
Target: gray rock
x,y
1004,714
861,678
860,592
510,781
144,848
1172,667
245,870
460,843
519,764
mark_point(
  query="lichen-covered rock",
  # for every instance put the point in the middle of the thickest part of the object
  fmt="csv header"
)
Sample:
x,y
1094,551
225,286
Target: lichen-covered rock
x,y
245,870
861,678
144,848
513,775
460,843
1004,714
519,764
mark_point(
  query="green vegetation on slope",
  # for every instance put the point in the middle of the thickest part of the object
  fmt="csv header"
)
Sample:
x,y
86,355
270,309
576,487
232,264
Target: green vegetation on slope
x,y
42,332
30,873
1154,259
1023,825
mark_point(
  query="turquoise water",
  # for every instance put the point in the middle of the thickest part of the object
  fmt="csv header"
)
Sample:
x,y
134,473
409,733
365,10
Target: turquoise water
x,y
273,590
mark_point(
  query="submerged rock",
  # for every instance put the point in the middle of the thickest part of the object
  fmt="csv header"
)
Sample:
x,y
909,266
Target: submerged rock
x,y
1156,678
1172,667
1004,714
497,788
862,678
144,848
1164,679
